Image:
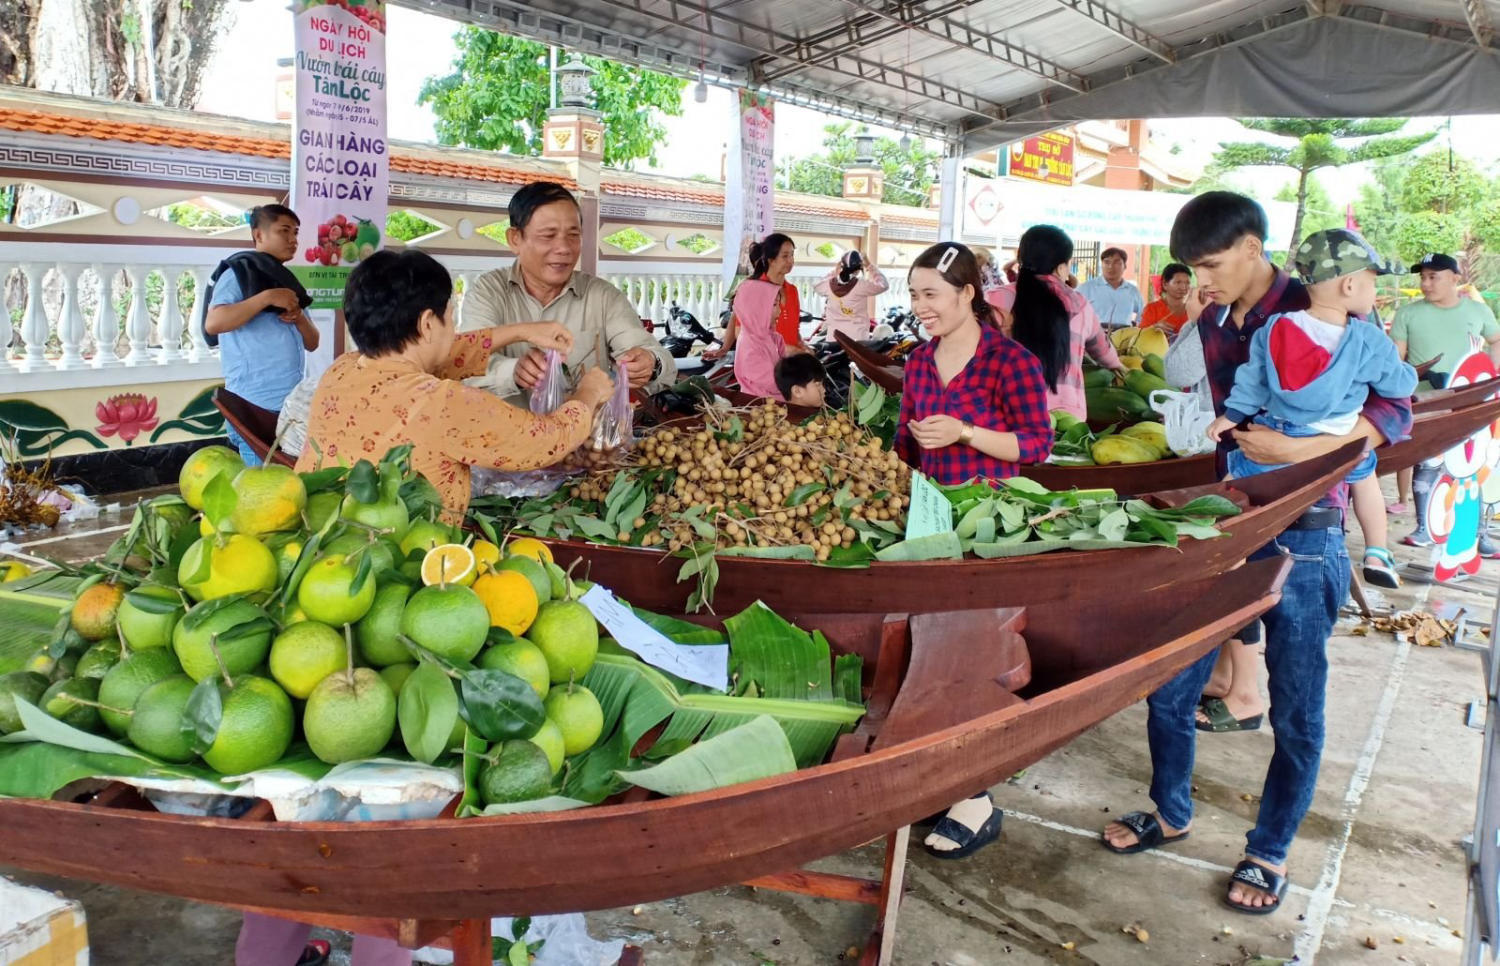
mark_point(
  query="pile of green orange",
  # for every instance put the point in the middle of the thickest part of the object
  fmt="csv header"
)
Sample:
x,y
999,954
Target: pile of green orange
x,y
264,606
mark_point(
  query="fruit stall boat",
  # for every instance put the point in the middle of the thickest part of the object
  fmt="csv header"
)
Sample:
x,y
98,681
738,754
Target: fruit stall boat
x,y
1269,501
1433,432
872,365
945,716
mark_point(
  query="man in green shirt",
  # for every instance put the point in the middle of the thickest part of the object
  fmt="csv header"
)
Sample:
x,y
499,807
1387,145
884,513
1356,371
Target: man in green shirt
x,y
1441,325
1444,326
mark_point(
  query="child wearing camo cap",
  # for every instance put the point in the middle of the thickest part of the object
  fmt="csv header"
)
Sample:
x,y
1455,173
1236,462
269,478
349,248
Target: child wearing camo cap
x,y
1311,371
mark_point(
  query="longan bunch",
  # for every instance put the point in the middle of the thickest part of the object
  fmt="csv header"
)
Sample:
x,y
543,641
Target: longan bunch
x,y
742,467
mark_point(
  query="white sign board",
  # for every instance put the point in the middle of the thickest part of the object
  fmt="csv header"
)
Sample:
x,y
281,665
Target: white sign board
x,y
1005,207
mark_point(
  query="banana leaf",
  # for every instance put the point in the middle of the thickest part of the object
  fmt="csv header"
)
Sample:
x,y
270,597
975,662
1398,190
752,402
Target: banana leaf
x,y
751,751
27,619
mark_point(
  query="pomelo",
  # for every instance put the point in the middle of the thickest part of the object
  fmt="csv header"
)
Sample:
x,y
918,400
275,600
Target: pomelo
x,y
256,728
388,514
143,629
269,499
349,716
378,632
395,675
519,773
304,654
58,701
241,648
95,609
509,598
156,725
449,621
424,535
325,593
577,714
523,659
549,738
201,468
449,563
321,506
240,565
127,680
529,547
568,635
533,571
97,660
29,685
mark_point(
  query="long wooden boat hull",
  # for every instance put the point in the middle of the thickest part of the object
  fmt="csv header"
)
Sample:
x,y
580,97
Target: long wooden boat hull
x,y
1438,400
646,578
874,367
1433,432
616,855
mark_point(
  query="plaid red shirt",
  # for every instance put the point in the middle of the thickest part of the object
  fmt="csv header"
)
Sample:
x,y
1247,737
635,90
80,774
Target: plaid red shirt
x,y
1226,348
1001,388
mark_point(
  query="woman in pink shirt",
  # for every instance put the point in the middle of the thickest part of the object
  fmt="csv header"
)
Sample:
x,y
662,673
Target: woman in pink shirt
x,y
846,306
760,346
1055,322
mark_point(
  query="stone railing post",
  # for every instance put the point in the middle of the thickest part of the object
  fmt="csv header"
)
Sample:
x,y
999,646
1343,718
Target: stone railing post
x,y
171,323
70,325
138,318
106,323
34,325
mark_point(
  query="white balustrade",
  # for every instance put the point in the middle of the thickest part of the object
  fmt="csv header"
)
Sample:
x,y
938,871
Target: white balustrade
x,y
70,328
7,331
34,327
106,324
138,319
170,325
198,350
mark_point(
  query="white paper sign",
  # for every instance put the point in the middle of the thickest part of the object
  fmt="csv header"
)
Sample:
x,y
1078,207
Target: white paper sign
x,y
930,511
706,664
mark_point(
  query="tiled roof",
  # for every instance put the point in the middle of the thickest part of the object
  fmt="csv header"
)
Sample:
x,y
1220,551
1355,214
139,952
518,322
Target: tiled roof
x,y
656,188
161,135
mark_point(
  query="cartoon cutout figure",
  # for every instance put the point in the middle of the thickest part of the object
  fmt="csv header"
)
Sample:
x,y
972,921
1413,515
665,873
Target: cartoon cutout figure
x,y
1467,484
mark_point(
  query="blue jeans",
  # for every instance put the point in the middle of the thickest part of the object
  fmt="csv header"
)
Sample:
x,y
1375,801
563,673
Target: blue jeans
x,y
1297,632
238,442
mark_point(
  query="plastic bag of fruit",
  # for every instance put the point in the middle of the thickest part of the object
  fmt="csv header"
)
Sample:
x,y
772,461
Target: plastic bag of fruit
x,y
614,424
552,388
1186,421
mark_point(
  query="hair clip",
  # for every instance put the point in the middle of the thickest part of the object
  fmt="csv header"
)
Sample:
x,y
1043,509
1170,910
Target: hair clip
x,y
249,216
948,258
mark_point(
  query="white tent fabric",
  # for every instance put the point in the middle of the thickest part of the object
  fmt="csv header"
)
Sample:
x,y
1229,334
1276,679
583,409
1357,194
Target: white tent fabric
x,y
1324,67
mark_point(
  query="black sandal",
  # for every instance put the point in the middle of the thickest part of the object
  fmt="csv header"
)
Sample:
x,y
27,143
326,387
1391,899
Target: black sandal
x,y
1257,876
315,953
1148,834
969,840
1221,720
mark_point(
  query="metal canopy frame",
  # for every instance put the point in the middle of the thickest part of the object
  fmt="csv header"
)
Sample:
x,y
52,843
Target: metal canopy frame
x,y
976,81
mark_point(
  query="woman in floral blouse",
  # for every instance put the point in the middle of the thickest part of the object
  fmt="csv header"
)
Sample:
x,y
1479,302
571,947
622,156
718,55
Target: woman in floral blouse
x,y
402,386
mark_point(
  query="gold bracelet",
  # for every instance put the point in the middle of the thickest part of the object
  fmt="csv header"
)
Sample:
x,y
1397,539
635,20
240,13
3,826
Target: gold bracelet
x,y
967,435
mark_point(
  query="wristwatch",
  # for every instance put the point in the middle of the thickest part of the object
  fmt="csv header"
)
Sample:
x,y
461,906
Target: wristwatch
x,y
655,367
966,435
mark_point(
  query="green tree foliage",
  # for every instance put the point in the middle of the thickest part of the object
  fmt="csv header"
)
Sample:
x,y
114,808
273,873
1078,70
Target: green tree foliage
x,y
1319,212
1316,144
1435,203
403,226
909,171
496,99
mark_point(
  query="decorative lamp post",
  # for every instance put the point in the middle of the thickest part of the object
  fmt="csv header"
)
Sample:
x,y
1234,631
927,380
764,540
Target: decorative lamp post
x,y
864,179
573,81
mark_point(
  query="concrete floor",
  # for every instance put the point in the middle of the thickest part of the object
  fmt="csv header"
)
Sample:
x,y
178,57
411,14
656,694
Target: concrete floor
x,y
1378,857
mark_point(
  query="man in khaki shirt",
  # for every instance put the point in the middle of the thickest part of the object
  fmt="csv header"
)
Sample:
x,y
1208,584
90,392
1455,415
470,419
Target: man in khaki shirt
x,y
546,234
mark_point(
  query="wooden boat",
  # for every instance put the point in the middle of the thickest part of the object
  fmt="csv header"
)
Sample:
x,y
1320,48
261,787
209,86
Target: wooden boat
x,y
950,710
1433,432
873,365
1272,500
1438,400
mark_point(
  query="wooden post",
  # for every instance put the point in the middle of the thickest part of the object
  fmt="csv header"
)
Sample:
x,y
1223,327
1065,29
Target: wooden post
x,y
471,943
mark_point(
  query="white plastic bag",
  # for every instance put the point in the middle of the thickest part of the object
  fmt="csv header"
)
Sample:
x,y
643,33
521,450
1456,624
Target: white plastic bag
x,y
1186,420
552,388
614,423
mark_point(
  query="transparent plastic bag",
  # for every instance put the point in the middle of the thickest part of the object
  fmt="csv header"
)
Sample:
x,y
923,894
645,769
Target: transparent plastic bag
x,y
614,423
1186,421
552,388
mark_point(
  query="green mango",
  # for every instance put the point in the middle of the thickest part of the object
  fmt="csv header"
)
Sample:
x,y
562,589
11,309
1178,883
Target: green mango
x,y
1113,405
1143,383
1098,379
1155,365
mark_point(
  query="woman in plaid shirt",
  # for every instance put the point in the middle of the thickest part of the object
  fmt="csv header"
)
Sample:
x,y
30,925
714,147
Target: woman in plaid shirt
x,y
974,405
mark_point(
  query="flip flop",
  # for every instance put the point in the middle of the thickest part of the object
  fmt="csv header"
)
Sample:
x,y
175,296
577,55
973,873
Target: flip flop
x,y
1382,572
969,840
1148,834
1257,876
1221,720
315,953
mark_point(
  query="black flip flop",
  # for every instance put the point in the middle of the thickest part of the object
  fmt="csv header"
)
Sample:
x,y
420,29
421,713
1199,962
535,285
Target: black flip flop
x,y
1221,720
1148,834
1257,876
969,840
315,953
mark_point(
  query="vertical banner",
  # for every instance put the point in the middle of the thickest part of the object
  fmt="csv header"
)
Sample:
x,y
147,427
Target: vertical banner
x,y
750,192
340,169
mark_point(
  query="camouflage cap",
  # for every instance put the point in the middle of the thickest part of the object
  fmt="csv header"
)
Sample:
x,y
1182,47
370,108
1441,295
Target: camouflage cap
x,y
1335,252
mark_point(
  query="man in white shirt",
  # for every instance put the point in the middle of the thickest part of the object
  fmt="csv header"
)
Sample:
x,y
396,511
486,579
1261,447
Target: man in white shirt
x,y
1117,302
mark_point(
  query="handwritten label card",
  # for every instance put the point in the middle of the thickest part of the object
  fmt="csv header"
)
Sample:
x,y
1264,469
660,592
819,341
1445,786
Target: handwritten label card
x,y
930,512
706,664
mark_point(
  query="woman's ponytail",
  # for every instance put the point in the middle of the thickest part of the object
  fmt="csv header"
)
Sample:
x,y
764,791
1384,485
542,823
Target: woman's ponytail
x,y
1039,318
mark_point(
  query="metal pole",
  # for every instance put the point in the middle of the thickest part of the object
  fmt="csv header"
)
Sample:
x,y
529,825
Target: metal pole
x,y
949,195
1479,930
552,78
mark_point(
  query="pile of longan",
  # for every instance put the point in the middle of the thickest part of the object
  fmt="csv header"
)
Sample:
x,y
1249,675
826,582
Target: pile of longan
x,y
742,467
